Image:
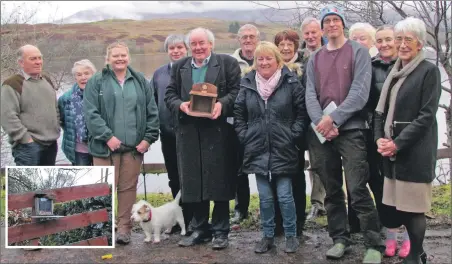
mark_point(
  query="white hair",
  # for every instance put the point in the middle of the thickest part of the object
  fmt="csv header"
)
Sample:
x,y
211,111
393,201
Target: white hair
x,y
83,63
368,28
308,21
412,25
248,26
209,34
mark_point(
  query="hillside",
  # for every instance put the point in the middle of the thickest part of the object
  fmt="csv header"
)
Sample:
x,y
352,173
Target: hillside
x,y
143,36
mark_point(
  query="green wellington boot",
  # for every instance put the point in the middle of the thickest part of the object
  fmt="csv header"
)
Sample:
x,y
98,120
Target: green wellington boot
x,y
372,256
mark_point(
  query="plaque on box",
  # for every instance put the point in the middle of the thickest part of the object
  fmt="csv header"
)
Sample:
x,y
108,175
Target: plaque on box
x,y
203,97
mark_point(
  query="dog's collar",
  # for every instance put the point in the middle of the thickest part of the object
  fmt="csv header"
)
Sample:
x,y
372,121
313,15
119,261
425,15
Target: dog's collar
x,y
150,217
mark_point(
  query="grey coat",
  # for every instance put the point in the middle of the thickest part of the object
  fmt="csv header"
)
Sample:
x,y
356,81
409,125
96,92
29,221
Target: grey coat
x,y
205,155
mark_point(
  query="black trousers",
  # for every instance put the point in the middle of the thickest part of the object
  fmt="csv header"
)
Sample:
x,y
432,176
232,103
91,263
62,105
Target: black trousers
x,y
299,196
220,218
376,180
170,157
351,147
242,197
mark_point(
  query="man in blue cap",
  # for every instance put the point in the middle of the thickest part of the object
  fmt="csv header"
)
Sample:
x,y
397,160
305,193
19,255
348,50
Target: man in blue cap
x,y
338,77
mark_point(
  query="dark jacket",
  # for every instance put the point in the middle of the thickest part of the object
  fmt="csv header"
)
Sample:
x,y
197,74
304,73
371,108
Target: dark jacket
x,y
67,122
99,105
271,133
380,70
159,82
303,57
206,157
417,102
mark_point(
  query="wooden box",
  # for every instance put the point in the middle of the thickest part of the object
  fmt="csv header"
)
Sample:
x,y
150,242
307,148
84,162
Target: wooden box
x,y
203,97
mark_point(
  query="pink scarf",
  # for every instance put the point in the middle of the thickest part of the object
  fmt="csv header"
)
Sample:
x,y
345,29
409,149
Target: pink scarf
x,y
267,87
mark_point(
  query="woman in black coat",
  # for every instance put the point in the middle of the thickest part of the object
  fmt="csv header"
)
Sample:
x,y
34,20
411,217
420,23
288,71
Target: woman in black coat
x,y
270,115
406,134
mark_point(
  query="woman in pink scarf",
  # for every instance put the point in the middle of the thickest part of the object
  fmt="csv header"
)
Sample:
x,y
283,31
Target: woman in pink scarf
x,y
270,117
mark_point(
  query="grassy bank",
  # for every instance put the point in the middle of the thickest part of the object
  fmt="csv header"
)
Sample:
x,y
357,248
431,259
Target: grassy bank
x,y
441,206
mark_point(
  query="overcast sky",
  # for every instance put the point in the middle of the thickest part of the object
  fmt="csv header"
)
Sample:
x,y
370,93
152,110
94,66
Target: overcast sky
x,y
49,11
87,175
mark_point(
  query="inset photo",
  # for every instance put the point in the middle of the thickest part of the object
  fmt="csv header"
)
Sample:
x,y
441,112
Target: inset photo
x,y
59,207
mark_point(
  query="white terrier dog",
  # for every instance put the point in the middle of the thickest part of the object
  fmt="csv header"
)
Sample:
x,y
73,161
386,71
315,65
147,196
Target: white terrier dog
x,y
154,220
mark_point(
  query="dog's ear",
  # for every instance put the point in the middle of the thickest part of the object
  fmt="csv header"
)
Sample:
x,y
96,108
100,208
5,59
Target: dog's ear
x,y
148,208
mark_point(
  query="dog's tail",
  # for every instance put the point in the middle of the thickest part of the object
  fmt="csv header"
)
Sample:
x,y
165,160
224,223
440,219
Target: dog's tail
x,y
177,199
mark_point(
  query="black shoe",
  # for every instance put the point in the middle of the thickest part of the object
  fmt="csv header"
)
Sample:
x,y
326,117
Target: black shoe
x,y
238,218
291,244
220,242
197,237
264,245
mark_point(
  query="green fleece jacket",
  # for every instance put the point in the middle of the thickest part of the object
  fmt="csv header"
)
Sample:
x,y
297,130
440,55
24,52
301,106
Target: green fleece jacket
x,y
101,105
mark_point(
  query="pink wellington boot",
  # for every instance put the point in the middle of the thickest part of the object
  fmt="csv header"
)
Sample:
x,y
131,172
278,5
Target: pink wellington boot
x,y
405,249
391,247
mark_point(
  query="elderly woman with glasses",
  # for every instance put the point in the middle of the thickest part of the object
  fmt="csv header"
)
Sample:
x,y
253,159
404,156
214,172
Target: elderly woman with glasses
x,y
406,134
72,119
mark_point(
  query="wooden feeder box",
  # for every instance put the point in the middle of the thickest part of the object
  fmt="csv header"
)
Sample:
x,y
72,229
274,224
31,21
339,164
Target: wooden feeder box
x,y
43,206
203,97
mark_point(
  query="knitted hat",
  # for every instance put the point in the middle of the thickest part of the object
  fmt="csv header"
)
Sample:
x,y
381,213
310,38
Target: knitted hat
x,y
331,10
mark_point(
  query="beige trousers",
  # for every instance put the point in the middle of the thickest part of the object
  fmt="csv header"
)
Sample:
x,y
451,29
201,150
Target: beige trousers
x,y
127,170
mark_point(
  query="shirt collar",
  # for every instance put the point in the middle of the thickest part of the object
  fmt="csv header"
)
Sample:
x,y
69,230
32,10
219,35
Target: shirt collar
x,y
28,77
193,64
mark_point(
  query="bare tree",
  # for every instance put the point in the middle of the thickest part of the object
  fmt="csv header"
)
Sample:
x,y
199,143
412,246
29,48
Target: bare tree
x,y
17,29
437,16
31,179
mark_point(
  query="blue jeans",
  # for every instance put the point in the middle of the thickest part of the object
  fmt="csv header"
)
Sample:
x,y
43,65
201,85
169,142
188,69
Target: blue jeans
x,y
83,159
35,154
286,204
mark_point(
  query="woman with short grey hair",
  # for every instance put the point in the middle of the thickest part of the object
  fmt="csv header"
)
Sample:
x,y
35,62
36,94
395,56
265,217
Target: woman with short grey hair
x,y
364,34
176,48
72,120
406,133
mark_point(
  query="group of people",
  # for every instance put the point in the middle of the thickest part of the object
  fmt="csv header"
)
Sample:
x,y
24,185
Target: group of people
x,y
362,107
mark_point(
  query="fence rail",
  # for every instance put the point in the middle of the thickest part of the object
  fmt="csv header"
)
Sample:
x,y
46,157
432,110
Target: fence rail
x,y
442,153
33,231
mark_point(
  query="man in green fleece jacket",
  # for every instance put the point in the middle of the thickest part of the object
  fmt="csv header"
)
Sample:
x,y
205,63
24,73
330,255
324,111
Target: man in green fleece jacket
x,y
29,112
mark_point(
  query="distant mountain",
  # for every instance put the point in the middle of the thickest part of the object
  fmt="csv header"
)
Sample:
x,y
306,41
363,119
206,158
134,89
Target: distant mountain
x,y
255,15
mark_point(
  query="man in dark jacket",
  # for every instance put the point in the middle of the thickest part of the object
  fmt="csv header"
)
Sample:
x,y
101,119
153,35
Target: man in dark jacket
x,y
176,48
206,158
311,32
248,37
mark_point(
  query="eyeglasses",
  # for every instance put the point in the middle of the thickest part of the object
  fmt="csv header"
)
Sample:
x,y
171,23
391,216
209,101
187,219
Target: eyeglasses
x,y
406,40
251,37
335,20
